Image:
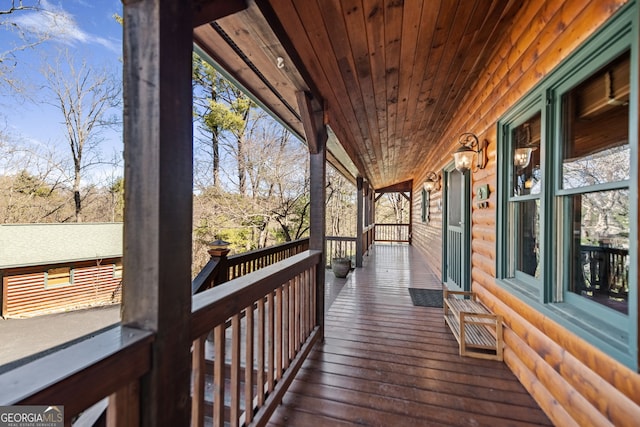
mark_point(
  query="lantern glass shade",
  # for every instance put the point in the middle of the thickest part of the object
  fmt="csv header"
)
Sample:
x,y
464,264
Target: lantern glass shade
x,y
463,158
522,157
429,185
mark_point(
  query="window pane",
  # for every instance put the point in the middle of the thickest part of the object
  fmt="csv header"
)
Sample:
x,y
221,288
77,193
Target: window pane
x,y
596,128
455,198
599,249
525,237
526,157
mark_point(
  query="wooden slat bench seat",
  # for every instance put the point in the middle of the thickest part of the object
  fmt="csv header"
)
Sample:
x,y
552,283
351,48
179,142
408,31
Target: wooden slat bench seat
x,y
477,330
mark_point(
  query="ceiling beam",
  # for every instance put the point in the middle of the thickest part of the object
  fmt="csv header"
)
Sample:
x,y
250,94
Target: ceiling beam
x,y
400,187
206,11
312,113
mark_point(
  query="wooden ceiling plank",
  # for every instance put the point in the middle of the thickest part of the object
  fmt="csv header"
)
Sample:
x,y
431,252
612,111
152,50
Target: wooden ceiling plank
x,y
455,68
341,51
513,64
244,35
393,30
354,24
374,14
207,39
419,21
307,33
437,87
498,18
423,97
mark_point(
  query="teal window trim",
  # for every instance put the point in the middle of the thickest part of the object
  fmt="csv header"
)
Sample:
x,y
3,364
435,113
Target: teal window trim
x,y
613,332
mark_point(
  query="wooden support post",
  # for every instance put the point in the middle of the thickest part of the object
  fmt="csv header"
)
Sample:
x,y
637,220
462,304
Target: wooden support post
x,y
410,237
312,113
158,179
359,221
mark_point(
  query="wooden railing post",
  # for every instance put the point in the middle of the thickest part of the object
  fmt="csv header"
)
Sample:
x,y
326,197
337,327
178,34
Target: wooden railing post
x,y
312,112
220,256
158,41
359,221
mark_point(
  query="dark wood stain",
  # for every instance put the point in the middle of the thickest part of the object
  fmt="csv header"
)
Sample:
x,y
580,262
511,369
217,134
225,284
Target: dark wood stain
x,y
385,362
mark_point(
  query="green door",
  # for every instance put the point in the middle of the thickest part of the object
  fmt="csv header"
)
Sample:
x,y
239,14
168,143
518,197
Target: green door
x,y
456,254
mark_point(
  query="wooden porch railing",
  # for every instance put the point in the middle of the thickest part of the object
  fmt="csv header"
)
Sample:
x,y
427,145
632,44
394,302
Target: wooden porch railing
x,y
392,233
338,246
219,270
264,325
368,237
83,374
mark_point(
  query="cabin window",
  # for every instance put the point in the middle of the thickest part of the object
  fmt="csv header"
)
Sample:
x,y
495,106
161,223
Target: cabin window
x,y
595,165
568,193
524,201
56,277
117,270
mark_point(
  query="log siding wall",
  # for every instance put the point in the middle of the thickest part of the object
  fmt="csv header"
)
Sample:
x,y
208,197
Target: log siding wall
x,y
25,294
574,382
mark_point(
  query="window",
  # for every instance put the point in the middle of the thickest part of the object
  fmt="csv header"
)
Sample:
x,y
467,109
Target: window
x,y
568,193
593,196
56,277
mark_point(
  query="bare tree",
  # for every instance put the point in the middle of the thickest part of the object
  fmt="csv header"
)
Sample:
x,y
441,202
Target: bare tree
x,y
85,96
27,39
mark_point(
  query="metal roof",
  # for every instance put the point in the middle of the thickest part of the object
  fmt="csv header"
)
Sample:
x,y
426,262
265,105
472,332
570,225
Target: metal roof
x,y
37,244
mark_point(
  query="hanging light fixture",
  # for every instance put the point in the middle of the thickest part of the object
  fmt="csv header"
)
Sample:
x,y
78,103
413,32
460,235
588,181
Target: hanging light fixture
x,y
522,157
470,146
432,182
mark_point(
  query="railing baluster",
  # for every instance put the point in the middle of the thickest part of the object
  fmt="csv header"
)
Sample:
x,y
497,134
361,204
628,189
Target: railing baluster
x,y
235,370
218,375
279,338
248,365
296,315
285,325
261,349
292,315
199,372
271,346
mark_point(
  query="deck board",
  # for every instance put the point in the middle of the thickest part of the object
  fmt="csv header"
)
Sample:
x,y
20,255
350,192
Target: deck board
x,y
385,362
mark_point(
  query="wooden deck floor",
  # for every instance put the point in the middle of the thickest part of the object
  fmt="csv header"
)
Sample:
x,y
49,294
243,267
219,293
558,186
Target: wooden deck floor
x,y
387,363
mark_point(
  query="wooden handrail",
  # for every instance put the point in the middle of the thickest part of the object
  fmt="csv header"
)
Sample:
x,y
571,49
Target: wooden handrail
x,y
240,264
214,306
274,310
81,374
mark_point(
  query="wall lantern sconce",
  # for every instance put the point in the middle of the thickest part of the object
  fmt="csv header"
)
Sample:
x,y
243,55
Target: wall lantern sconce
x,y
469,147
522,157
432,183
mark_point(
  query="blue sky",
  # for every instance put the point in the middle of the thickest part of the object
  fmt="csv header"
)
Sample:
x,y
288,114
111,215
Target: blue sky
x,y
84,27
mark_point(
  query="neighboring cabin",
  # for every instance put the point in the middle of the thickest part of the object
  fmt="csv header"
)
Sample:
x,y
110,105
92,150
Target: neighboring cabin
x,y
48,268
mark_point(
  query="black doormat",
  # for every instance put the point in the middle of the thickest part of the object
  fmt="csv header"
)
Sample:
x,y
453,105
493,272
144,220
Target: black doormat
x,y
426,297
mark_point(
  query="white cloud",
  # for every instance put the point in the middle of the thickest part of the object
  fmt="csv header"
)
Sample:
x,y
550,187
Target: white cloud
x,y
53,22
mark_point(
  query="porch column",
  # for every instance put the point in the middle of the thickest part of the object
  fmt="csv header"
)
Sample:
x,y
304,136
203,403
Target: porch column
x,y
360,221
312,112
158,208
411,214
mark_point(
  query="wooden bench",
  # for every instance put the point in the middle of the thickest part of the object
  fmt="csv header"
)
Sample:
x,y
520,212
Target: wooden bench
x,y
477,330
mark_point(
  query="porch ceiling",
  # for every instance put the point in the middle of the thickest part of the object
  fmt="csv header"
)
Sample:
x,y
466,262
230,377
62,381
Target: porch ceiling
x,y
392,73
